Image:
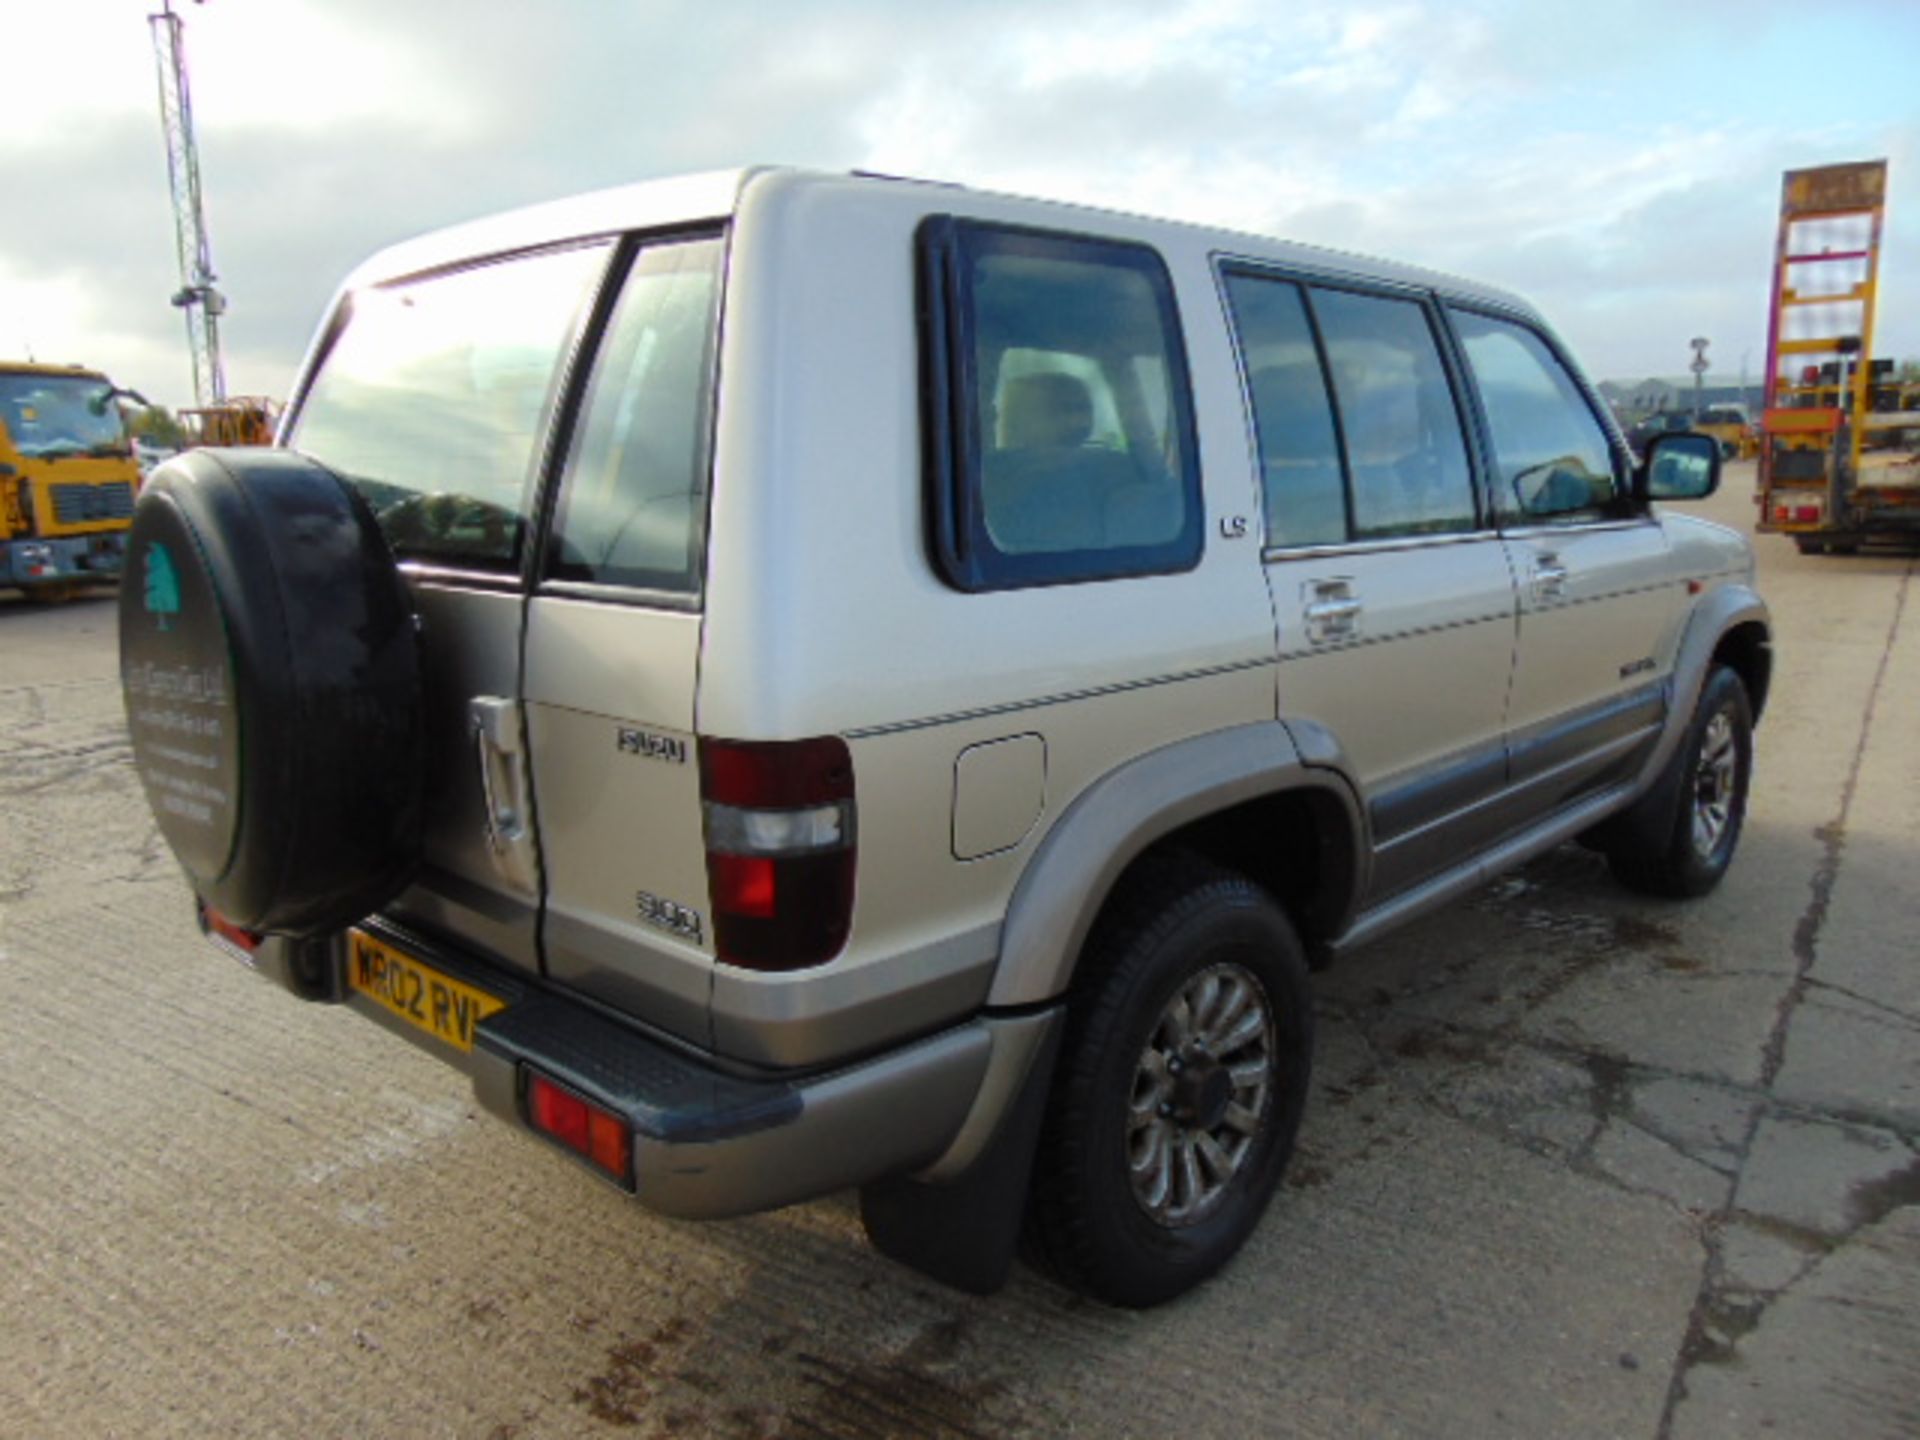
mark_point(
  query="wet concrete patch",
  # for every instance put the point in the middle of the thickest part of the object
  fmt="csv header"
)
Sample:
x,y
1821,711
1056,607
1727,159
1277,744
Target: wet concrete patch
x,y
1822,1176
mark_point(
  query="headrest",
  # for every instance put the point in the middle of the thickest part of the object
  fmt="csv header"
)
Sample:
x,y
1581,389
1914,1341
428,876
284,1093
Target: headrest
x,y
1049,409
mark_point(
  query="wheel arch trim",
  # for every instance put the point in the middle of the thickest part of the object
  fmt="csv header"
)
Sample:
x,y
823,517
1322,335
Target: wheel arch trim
x,y
1122,815
1719,614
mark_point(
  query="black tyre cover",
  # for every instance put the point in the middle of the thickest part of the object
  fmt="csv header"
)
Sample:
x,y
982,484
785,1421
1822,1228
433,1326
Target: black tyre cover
x,y
269,658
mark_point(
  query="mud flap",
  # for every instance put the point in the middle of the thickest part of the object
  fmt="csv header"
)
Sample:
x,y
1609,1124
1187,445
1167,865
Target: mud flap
x,y
964,1233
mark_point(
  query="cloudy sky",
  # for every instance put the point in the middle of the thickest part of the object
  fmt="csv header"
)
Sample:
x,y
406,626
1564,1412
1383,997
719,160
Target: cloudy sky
x,y
1617,161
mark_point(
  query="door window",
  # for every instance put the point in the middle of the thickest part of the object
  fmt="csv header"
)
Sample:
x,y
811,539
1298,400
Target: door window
x,y
634,505
1552,460
1406,454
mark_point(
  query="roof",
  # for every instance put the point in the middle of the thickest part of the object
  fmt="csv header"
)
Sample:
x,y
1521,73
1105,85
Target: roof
x,y
34,367
716,194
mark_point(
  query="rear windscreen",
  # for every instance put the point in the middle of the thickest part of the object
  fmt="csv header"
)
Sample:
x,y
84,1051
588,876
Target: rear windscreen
x,y
433,397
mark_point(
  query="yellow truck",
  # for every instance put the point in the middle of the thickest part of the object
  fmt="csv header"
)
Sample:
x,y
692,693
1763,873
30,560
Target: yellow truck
x,y
67,478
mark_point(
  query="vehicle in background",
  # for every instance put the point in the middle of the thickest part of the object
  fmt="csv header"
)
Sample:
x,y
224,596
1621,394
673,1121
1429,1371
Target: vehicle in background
x,y
1840,459
1727,424
1733,428
237,420
149,453
68,476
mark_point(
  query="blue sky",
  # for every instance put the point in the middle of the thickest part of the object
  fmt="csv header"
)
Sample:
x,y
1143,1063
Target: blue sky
x,y
1618,163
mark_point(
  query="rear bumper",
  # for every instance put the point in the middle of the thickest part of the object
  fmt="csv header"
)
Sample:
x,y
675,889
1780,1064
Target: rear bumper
x,y
61,559
707,1142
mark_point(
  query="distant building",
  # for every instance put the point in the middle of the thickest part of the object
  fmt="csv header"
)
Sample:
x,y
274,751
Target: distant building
x,y
1632,398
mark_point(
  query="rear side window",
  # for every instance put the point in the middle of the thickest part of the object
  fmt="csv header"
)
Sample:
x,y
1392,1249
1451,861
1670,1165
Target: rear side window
x,y
433,396
1060,429
634,504
1551,457
1300,468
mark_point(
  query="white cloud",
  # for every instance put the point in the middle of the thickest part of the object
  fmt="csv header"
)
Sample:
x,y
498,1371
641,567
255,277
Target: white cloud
x,y
282,65
1621,171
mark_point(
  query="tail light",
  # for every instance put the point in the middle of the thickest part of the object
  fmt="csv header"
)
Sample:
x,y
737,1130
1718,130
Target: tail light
x,y
780,849
589,1130
1797,514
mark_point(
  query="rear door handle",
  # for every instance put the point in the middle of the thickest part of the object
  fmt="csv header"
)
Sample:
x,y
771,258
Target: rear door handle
x,y
499,737
1333,612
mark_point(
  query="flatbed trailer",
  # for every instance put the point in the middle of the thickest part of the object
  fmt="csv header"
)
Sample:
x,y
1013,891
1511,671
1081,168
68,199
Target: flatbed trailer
x,y
1840,435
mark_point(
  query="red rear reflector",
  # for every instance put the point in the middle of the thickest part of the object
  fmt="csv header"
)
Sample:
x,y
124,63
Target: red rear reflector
x,y
587,1129
560,1114
247,940
608,1144
1806,513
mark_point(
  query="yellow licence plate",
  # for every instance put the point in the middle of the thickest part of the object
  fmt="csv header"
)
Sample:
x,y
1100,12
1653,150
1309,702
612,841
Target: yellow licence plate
x,y
444,1007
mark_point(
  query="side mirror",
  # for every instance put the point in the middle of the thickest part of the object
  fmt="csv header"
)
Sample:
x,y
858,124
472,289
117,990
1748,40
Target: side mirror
x,y
1679,465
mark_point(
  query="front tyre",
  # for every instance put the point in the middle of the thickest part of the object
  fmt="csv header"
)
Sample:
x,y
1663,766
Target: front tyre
x,y
1181,1083
1716,769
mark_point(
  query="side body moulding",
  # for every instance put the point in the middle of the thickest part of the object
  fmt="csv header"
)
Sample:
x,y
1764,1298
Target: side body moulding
x,y
1719,615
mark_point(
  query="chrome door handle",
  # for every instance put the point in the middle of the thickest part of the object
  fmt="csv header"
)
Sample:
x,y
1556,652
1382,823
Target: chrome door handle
x,y
1549,578
500,747
1332,612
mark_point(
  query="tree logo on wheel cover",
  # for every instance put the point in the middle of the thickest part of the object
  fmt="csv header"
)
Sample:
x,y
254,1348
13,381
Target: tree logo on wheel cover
x,y
163,584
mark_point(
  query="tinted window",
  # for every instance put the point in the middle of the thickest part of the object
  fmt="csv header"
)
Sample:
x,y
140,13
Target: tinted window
x,y
1551,457
635,499
433,396
1405,451
1292,413
1064,437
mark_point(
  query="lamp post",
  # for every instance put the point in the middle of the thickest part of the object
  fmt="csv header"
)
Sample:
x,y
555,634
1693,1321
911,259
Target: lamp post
x,y
1699,368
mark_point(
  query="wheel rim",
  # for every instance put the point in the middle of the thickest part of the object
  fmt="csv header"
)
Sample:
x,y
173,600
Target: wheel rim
x,y
1201,1095
1713,784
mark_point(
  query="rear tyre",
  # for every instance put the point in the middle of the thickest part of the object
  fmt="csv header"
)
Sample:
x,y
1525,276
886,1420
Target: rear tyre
x,y
1707,793
1180,1086
270,662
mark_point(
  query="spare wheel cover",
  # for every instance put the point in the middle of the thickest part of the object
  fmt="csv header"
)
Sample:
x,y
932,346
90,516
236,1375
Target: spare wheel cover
x,y
270,663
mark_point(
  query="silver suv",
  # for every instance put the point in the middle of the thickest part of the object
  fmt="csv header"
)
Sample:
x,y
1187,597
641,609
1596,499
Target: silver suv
x,y
797,681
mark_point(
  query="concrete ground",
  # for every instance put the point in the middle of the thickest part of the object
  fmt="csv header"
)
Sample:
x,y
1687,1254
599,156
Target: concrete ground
x,y
1577,1163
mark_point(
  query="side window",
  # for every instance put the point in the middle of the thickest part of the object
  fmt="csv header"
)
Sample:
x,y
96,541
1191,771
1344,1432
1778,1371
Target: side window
x,y
1061,441
633,506
1301,475
1406,455
1552,462
435,392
